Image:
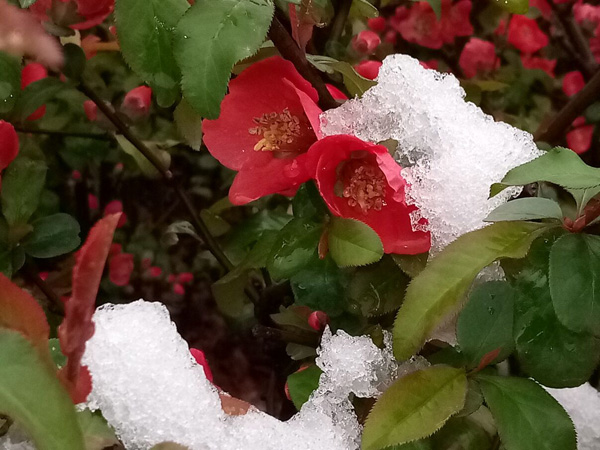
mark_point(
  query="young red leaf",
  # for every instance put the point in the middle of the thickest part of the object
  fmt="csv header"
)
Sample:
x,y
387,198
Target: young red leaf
x,y
19,311
77,326
488,358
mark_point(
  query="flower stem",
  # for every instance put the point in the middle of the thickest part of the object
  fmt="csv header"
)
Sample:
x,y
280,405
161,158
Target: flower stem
x,y
290,51
339,22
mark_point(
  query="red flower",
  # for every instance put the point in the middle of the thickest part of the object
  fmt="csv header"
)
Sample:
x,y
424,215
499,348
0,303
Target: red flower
x,y
88,45
391,37
201,360
91,110
368,69
543,6
185,277
115,207
366,42
179,289
377,24
268,121
9,144
34,72
430,64
525,34
580,138
137,102
478,56
155,271
572,83
456,19
336,93
119,269
361,181
318,320
535,62
586,12
89,12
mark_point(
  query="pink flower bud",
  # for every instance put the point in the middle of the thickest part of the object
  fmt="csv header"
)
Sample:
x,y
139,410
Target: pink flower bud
x,y
137,102
92,201
573,82
119,269
365,42
368,69
155,272
178,289
171,278
185,277
76,175
31,73
318,320
91,110
201,360
43,275
115,207
391,37
376,24
9,144
580,139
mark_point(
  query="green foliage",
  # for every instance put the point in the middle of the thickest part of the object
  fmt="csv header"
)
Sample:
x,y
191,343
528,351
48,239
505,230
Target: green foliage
x,y
530,208
438,290
32,395
52,236
35,95
486,322
145,36
210,38
474,432
353,243
356,84
575,282
415,406
189,124
10,81
547,350
75,61
528,417
302,383
97,434
514,6
22,185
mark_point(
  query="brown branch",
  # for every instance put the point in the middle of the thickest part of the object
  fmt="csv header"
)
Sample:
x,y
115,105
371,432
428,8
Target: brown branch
x,y
167,175
553,131
290,51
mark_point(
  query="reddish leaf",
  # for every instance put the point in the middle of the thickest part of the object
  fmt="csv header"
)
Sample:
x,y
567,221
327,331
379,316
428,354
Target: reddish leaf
x,y
77,326
487,359
19,311
302,23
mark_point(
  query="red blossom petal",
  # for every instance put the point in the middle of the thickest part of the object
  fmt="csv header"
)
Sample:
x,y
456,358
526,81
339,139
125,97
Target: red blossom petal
x,y
525,34
336,93
368,69
116,206
392,222
419,25
365,42
31,73
201,360
155,272
91,110
535,62
456,19
77,326
178,289
377,24
478,56
88,44
9,144
580,139
92,201
318,320
185,277
430,64
120,269
302,25
573,82
543,6
137,102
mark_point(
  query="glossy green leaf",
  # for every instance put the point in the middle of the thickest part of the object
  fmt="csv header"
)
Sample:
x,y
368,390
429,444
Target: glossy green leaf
x,y
438,290
59,359
32,395
145,35
97,433
547,350
474,432
575,282
514,6
52,236
415,406
302,383
486,322
353,243
75,61
308,204
10,81
364,9
210,38
528,417
22,185
529,208
189,124
356,84
294,249
37,94
411,265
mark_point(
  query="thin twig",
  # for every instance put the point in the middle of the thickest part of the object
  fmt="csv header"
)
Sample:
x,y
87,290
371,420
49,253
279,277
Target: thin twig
x,y
339,21
553,131
167,175
76,134
290,51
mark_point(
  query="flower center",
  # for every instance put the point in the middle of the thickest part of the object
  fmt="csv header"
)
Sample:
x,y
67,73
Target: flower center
x,y
363,184
277,131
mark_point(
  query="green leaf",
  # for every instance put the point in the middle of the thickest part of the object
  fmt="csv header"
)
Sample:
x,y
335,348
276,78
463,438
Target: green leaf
x,y
355,84
52,236
438,290
353,243
32,395
411,265
320,286
56,353
37,94
466,433
302,383
308,204
145,36
210,38
294,249
144,163
217,226
559,166
10,81
575,282
26,3
530,208
486,322
75,61
364,9
22,185
547,350
189,124
514,6
528,417
415,406
97,433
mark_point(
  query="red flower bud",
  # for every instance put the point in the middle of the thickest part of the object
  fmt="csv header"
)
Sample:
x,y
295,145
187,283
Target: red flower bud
x,y
365,42
91,110
155,272
31,73
525,34
535,62
185,277
573,82
318,320
377,24
114,207
92,201
137,102
178,289
391,37
9,144
478,56
119,269
201,360
580,139
368,69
